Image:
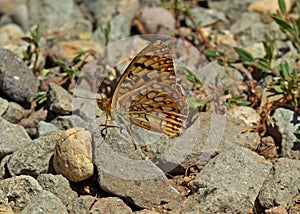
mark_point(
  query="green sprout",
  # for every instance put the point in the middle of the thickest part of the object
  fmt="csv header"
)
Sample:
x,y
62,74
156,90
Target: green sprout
x,y
31,54
288,84
290,27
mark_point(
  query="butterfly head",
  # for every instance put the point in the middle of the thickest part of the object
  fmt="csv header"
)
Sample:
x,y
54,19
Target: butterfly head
x,y
105,105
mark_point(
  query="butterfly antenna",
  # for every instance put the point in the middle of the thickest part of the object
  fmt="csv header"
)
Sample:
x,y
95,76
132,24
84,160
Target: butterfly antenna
x,y
88,98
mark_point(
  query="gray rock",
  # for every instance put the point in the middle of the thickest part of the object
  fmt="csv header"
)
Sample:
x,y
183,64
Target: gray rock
x,y
157,20
123,171
3,171
83,204
244,22
206,142
204,16
44,202
34,158
19,16
118,30
253,30
44,128
64,16
69,121
111,205
60,99
13,137
287,122
16,79
228,183
59,186
14,112
18,191
105,10
282,186
3,105
232,8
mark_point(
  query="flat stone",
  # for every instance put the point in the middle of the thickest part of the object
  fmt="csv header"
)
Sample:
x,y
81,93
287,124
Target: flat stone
x,y
282,186
111,205
33,159
227,183
59,186
13,137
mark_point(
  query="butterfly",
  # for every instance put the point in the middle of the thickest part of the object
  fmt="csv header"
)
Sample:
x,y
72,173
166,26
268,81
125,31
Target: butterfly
x,y
147,94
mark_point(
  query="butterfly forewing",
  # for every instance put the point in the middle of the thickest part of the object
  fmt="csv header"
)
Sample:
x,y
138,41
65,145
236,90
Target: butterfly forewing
x,y
147,93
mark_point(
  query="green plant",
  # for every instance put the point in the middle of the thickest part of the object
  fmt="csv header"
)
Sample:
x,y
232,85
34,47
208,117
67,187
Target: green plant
x,y
238,100
71,70
31,54
289,26
263,63
297,134
105,28
198,103
288,84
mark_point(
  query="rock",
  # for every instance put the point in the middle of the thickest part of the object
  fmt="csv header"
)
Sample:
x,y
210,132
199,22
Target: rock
x,y
157,20
6,6
19,191
244,113
229,183
105,10
19,16
14,112
60,99
5,208
44,128
176,156
244,23
59,186
276,210
268,149
111,205
267,6
281,187
35,156
16,79
10,33
31,122
146,212
232,8
73,155
3,105
3,171
64,17
83,204
205,16
13,137
287,122
68,121
118,30
67,50
252,30
45,202
124,172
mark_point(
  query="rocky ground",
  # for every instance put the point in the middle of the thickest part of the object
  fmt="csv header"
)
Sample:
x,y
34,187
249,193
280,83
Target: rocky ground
x,y
237,63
